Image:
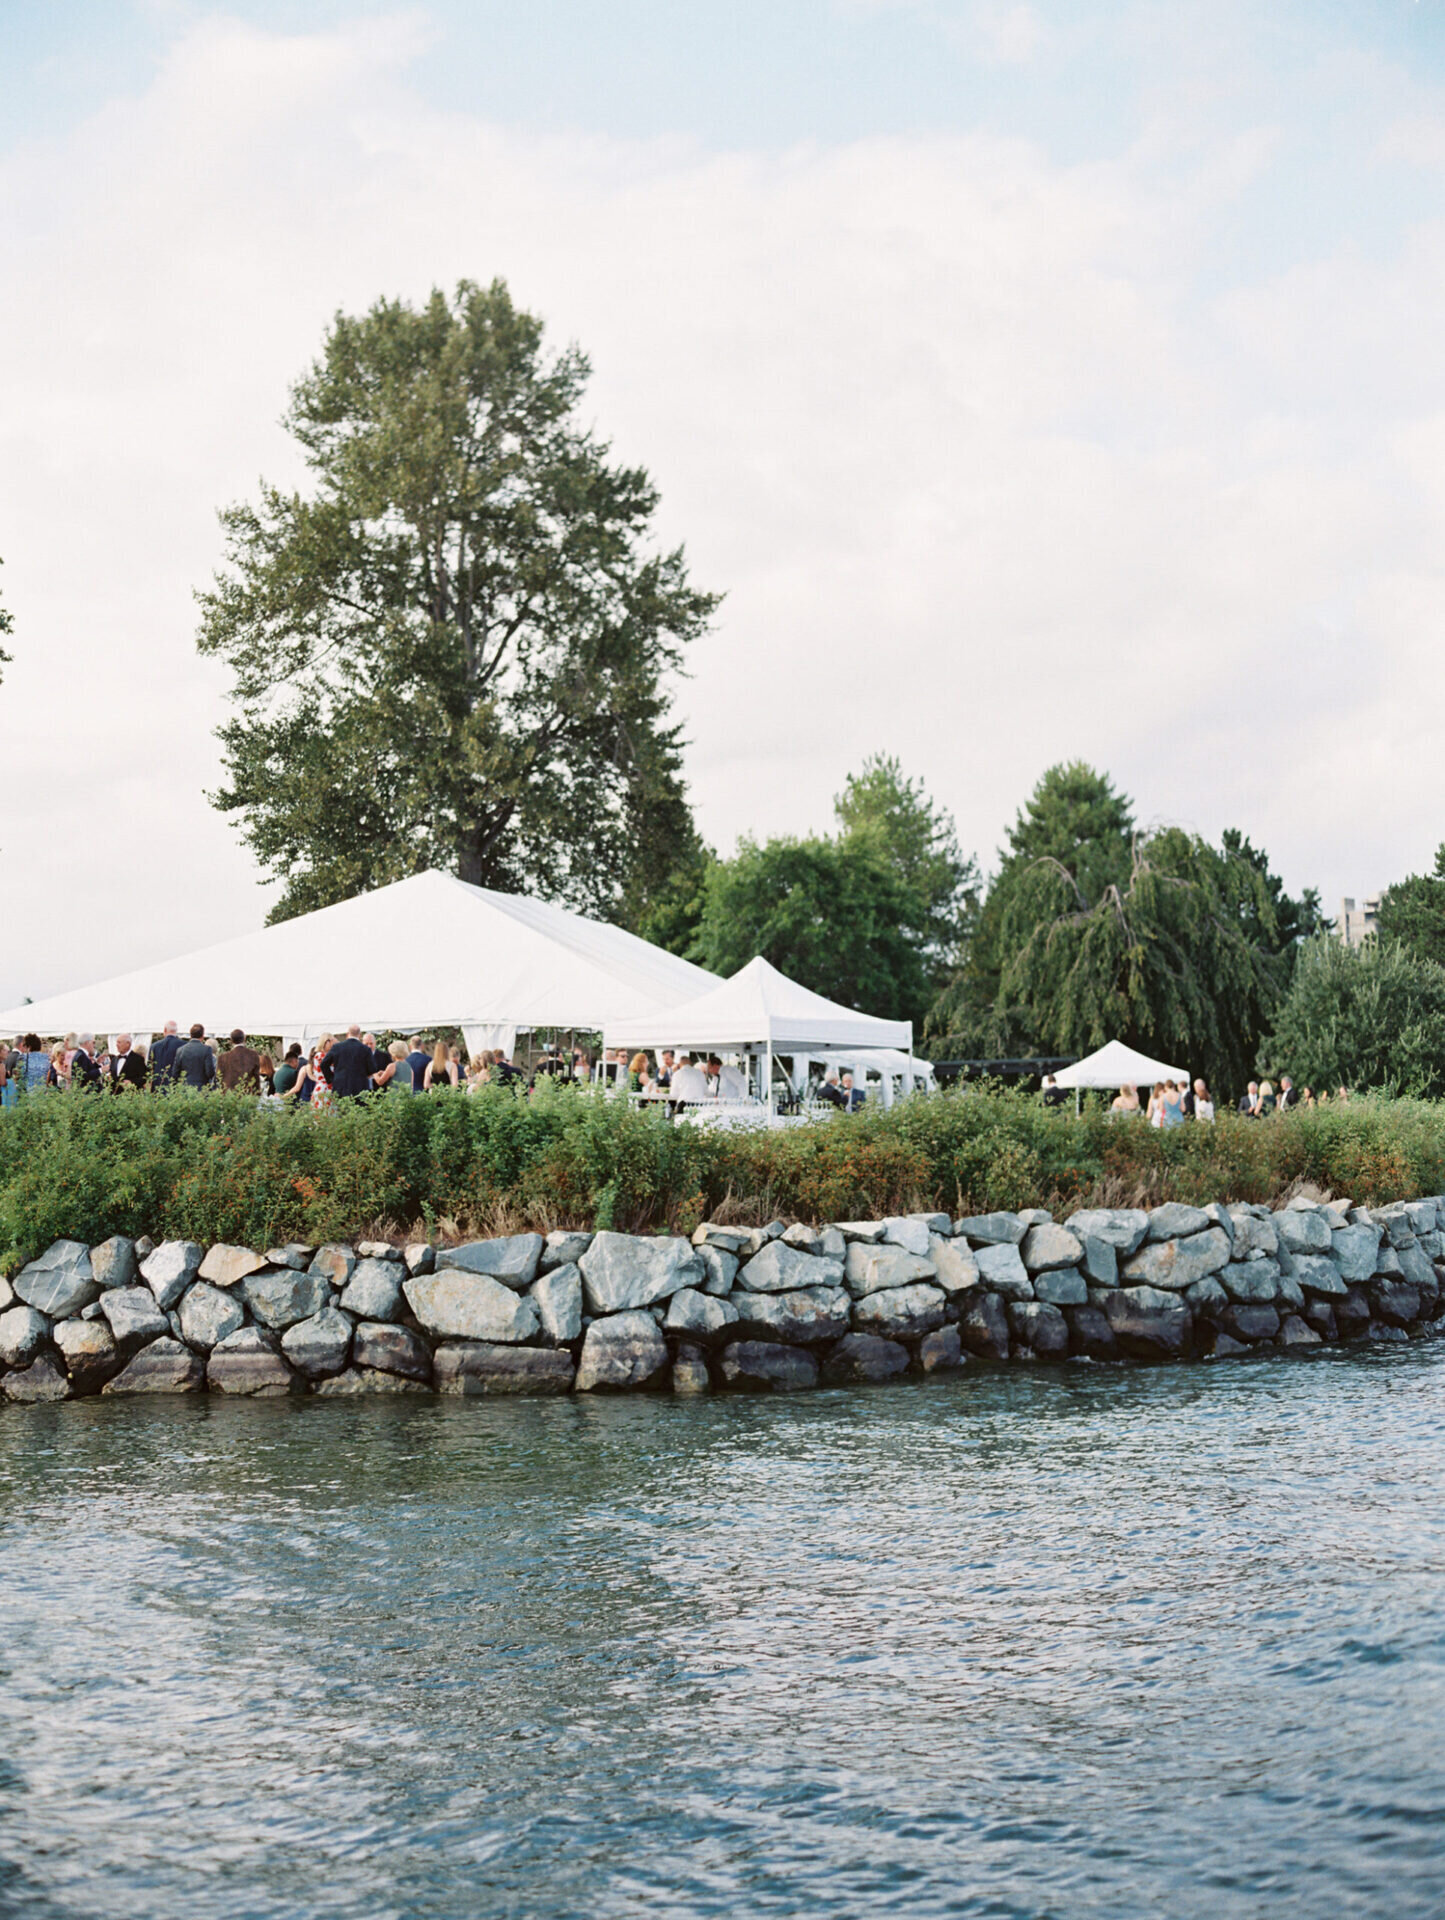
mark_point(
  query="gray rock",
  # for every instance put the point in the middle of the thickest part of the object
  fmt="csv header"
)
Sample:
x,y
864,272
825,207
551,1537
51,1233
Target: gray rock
x,y
1352,1314
1090,1333
939,1223
90,1354
92,1312
389,1349
1251,1234
483,1371
719,1270
875,1269
1423,1215
472,1306
1177,1264
1035,1216
1047,1247
223,1266
133,1316
1321,1318
1353,1249
1252,1323
1316,1274
23,1332
293,1254
279,1296
703,1317
806,1317
7,1296
1000,1267
726,1239
1303,1232
1220,1218
1387,1261
246,1362
954,1267
144,1247
513,1260
1379,1331
864,1356
1147,1322
208,1314
1062,1287
1432,1245
621,1272
900,1313
1288,1290
113,1263
805,1238
689,1373
563,1250
1252,1280
319,1345
377,1250
991,1229
759,1237
41,1380
165,1366
1395,1302
780,1268
173,1321
983,1326
911,1235
1413,1265
374,1290
1101,1260
334,1263
832,1245
621,1350
420,1257
1040,1326
60,1282
1207,1297
1122,1228
1294,1332
941,1351
558,1294
867,1232
1396,1223
1226,1347
1176,1221
367,1380
171,1269
758,1366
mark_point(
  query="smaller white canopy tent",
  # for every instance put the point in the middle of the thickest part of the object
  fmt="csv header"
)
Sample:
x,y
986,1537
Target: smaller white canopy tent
x,y
1116,1065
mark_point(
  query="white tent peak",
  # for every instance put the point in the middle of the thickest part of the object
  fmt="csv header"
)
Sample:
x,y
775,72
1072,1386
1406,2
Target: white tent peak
x,y
760,1005
1115,1065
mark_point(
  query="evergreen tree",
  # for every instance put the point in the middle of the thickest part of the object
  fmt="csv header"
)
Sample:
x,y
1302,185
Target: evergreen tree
x,y
1370,1018
1412,913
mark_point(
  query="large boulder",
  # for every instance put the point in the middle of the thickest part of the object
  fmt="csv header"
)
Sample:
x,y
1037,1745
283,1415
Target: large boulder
x,y
377,1250
779,1268
226,1266
1039,1326
910,1234
89,1351
513,1260
483,1371
1416,1268
983,1326
864,1356
279,1296
621,1271
876,1269
1253,1234
1176,1221
726,1239
690,1376
1317,1273
720,1269
41,1380
941,1351
1252,1323
558,1295
60,1282
954,1267
419,1256
165,1366
1249,1280
760,1366
1122,1228
1207,1297
1000,1268
802,1318
374,1290
390,1349
1062,1287
1090,1333
471,1306
246,1362
367,1380
1352,1314
1050,1246
134,1316
900,1313
208,1314
113,1263
1101,1260
317,1346
1177,1264
295,1253
171,1269
334,1263
621,1350
563,1250
1353,1249
23,1332
1395,1302
1294,1332
1147,1322
1303,1231
702,1317
991,1229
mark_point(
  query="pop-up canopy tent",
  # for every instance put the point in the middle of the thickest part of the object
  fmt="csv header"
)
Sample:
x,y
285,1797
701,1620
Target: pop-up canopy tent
x,y
427,952
762,1012
1116,1065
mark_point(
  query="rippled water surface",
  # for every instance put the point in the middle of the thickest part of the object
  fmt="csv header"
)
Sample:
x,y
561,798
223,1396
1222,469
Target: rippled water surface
x,y
1161,1642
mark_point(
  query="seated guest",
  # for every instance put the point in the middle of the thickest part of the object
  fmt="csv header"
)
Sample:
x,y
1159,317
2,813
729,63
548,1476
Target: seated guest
x,y
163,1057
127,1067
289,1071
830,1090
194,1064
346,1067
689,1083
240,1066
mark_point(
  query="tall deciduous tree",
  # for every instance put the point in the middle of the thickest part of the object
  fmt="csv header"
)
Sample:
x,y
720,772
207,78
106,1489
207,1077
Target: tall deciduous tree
x,y
1412,913
451,650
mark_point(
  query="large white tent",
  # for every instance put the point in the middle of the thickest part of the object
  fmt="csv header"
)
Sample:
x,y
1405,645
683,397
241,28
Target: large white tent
x,y
762,1007
427,952
1116,1065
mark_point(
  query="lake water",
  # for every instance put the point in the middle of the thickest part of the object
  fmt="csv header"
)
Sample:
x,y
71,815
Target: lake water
x,y
1076,1642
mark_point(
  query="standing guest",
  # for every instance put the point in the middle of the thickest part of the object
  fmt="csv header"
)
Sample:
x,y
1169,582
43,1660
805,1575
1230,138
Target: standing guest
x,y
127,1067
1288,1093
731,1085
1171,1106
346,1067
830,1090
70,1045
637,1072
1266,1098
84,1069
478,1072
441,1069
58,1074
9,1089
1342,1096
507,1071
418,1059
1154,1112
240,1066
1306,1098
380,1058
308,1080
1249,1101
689,1083
267,1075
163,1057
1126,1100
1202,1102
11,1055
396,1074
1324,1096
855,1096
1054,1094
35,1070
289,1071
666,1068
195,1063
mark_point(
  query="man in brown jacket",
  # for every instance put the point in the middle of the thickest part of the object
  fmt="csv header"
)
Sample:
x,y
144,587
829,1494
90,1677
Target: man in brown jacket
x,y
240,1066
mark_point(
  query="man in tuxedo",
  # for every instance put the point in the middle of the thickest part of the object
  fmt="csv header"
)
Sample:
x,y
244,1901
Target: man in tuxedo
x,y
163,1056
83,1069
127,1070
347,1068
1288,1093
240,1066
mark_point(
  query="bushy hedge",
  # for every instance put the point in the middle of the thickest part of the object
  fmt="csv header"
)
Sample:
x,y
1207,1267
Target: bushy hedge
x,y
212,1167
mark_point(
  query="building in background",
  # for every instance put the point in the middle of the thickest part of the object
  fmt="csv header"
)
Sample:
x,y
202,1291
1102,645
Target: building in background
x,y
1357,922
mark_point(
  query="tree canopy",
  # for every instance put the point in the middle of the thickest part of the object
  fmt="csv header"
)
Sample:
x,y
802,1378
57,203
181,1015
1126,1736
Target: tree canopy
x,y
1412,913
1371,1018
451,650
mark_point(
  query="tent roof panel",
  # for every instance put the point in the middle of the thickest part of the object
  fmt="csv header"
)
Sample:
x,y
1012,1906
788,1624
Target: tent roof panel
x,y
757,1005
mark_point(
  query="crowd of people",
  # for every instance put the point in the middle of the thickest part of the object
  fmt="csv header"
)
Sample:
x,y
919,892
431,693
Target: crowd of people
x,y
1171,1102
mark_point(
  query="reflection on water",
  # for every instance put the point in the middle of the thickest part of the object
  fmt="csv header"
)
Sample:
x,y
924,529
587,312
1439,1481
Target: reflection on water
x,y
1083,1642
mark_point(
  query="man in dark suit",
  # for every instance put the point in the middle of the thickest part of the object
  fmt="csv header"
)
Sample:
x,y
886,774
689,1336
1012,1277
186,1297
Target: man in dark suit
x,y
195,1064
418,1060
380,1058
84,1072
347,1068
240,1065
163,1056
127,1071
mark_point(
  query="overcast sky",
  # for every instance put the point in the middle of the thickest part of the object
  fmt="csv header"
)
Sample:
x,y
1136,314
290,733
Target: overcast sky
x,y
1038,381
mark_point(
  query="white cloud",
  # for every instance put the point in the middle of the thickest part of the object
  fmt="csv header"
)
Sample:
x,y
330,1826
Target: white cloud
x,y
987,483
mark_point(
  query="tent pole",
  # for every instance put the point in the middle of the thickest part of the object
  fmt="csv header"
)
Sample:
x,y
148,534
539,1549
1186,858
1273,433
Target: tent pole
x,y
768,1082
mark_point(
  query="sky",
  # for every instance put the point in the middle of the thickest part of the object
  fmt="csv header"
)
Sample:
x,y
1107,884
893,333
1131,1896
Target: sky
x,y
1037,381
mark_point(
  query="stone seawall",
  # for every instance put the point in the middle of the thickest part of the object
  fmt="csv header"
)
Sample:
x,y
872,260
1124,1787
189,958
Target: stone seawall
x,y
769,1308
